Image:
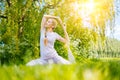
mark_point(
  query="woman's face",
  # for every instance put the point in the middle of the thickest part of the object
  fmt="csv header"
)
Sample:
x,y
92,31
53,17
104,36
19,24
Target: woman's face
x,y
49,23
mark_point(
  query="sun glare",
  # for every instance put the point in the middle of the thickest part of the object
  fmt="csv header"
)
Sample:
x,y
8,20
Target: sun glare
x,y
76,6
90,6
84,10
85,7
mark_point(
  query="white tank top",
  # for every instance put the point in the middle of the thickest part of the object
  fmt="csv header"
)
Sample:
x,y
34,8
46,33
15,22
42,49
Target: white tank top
x,y
48,51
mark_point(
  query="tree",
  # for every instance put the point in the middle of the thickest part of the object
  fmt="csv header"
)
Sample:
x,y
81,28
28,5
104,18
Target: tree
x,y
20,29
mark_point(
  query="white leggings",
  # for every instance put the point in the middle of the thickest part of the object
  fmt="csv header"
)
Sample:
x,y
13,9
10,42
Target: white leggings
x,y
56,59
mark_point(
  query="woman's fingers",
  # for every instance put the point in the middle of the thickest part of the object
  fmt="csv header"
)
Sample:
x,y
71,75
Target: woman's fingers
x,y
64,26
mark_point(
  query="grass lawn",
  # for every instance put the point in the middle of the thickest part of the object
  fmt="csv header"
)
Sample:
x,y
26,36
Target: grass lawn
x,y
92,70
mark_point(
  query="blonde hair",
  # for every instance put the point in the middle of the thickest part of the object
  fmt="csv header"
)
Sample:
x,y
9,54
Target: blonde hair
x,y
54,23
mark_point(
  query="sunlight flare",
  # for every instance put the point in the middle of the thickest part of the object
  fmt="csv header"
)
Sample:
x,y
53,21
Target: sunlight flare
x,y
85,8
90,5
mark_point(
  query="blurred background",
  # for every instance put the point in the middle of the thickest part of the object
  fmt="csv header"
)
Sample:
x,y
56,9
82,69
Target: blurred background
x,y
93,27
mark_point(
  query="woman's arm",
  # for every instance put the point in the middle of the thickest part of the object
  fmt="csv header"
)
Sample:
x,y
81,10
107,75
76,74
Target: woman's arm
x,y
66,39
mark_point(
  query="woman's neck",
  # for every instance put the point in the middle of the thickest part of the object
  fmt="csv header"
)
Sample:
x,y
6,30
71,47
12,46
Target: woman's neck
x,y
49,30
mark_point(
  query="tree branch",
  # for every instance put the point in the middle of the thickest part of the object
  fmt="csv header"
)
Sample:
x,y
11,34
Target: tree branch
x,y
51,6
1,16
9,4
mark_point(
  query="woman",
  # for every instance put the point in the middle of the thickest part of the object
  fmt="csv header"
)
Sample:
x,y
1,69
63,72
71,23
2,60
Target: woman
x,y
47,39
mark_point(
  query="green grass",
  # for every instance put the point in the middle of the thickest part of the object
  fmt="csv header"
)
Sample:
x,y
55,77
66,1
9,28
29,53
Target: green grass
x,y
94,70
109,59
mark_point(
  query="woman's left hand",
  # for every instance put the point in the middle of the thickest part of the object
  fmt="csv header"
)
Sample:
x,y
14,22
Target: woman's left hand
x,y
64,27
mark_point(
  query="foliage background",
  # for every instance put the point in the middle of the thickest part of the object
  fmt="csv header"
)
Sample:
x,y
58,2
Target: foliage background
x,y
97,56
20,29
